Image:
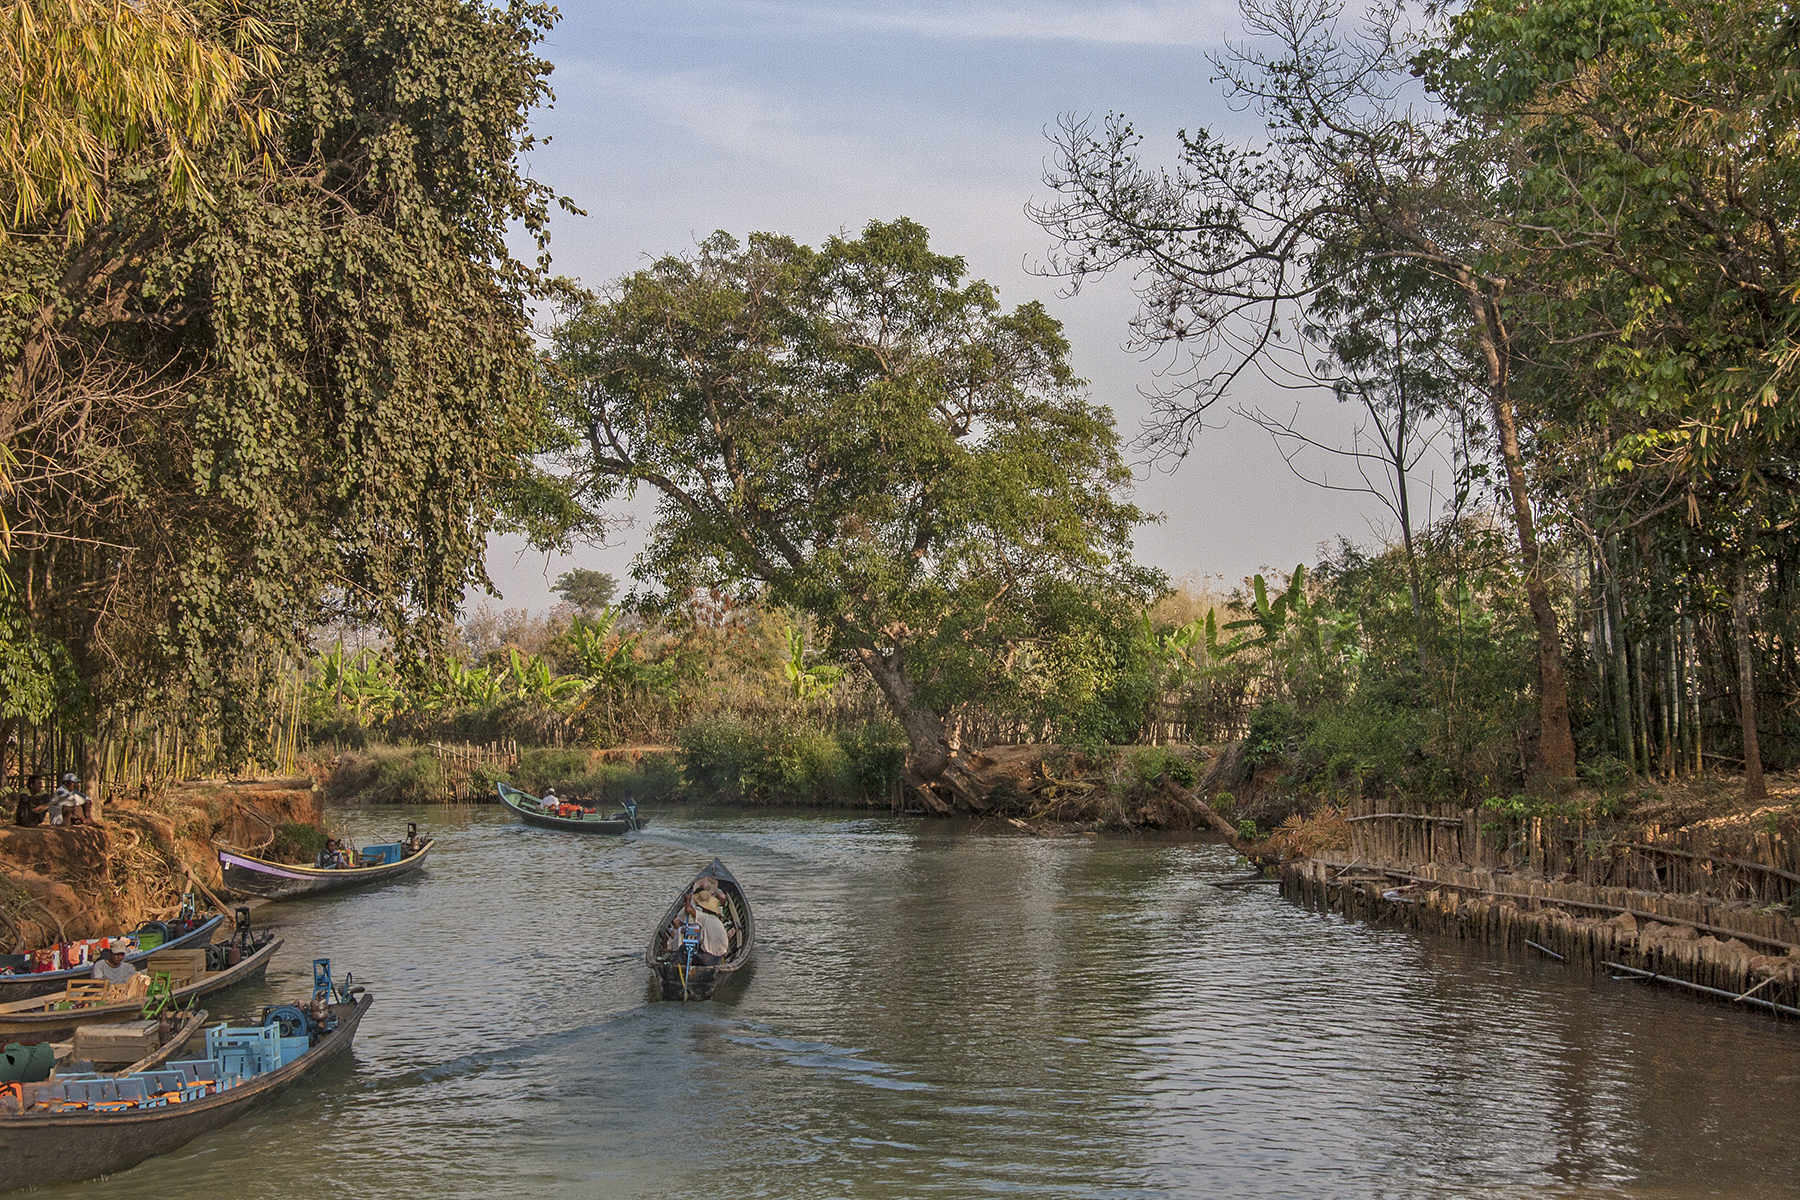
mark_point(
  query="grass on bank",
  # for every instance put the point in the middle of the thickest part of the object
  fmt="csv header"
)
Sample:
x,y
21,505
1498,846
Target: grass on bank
x,y
722,759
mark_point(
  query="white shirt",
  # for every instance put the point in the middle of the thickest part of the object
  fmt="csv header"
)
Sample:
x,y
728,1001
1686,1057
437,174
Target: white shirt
x,y
712,934
119,974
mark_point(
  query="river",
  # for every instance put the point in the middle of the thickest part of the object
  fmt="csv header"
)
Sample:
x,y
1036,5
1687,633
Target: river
x,y
939,1012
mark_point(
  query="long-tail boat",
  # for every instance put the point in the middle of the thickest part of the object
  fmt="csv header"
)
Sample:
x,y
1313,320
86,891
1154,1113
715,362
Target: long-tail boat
x,y
246,874
18,981
85,1002
76,1127
572,818
670,956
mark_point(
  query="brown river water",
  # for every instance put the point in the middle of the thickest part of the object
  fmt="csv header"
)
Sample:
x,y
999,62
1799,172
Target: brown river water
x,y
938,1012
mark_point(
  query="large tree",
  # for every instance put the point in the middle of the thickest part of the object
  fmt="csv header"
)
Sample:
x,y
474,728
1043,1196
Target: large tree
x,y
861,432
300,390
1232,247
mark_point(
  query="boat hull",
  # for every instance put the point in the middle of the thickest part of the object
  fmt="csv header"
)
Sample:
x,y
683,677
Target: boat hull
x,y
42,1149
672,979
55,1026
616,826
42,983
247,875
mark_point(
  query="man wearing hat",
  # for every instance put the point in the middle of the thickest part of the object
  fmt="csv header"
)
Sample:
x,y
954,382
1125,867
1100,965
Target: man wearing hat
x,y
112,966
708,910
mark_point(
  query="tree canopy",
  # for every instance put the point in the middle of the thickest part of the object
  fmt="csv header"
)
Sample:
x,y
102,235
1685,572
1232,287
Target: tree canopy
x,y
864,434
301,390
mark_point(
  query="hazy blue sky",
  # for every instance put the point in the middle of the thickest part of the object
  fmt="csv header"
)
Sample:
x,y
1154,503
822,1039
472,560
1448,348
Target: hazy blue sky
x,y
679,117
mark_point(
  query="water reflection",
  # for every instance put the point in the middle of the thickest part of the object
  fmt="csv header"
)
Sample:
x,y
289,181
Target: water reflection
x,y
940,1013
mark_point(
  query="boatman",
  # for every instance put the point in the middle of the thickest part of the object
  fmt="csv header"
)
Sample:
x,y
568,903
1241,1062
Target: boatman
x,y
113,968
713,939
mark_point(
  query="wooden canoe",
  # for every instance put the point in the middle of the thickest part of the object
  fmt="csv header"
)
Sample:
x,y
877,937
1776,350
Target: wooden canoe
x,y
246,874
42,983
34,1019
41,1148
529,809
675,979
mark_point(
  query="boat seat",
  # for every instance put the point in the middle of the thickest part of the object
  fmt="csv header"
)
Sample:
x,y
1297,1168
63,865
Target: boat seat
x,y
195,1070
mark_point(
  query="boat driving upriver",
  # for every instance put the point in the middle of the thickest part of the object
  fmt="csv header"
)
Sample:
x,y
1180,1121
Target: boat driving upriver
x,y
247,874
706,937
548,812
80,1125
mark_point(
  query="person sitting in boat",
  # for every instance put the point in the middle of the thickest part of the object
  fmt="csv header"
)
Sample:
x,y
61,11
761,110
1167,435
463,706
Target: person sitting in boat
x,y
67,805
708,913
332,857
113,968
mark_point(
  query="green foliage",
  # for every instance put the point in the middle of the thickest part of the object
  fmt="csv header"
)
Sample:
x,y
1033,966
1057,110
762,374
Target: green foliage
x,y
587,590
389,775
92,82
574,775
1144,767
304,393
730,760
296,841
862,433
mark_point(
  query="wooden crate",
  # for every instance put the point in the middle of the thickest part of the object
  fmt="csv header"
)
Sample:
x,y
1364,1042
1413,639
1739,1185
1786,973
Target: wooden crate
x,y
183,966
125,1042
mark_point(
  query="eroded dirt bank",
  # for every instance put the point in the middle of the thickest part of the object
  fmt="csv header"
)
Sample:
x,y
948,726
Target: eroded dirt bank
x,y
94,880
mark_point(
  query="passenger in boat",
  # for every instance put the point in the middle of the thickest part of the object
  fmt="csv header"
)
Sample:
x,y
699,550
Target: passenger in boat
x,y
332,857
67,805
714,942
113,968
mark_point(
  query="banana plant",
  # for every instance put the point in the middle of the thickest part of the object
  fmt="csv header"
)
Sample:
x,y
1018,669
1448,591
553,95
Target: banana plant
x,y
804,682
533,680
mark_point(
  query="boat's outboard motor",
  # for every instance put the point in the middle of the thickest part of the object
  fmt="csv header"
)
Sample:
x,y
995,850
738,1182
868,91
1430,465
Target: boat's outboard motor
x,y
243,939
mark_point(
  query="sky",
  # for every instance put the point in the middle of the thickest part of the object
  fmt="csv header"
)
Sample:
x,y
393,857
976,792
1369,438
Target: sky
x,y
676,118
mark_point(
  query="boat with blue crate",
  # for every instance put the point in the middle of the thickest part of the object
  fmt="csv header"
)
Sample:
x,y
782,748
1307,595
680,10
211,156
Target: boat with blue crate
x,y
40,972
678,970
185,974
82,1125
547,812
248,875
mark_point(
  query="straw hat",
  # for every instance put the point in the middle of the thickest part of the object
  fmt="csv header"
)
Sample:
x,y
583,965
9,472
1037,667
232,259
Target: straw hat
x,y
710,902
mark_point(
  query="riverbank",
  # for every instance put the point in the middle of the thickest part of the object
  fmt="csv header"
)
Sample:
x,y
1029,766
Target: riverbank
x,y
134,866
1685,884
1035,787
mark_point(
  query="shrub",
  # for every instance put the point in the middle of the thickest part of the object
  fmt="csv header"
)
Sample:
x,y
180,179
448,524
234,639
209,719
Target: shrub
x,y
388,775
1142,768
296,841
781,762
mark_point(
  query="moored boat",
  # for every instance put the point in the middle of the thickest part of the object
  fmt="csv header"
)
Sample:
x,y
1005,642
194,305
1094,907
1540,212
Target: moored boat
x,y
87,1002
19,981
246,874
572,818
671,956
80,1126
